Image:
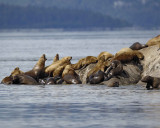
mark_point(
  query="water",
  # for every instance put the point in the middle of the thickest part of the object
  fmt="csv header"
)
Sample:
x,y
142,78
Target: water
x,y
73,106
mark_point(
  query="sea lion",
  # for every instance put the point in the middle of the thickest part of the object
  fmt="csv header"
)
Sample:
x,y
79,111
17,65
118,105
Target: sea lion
x,y
113,82
70,76
38,70
51,68
59,80
126,55
56,58
24,79
7,80
58,71
154,41
137,46
42,81
96,78
101,65
153,82
115,68
107,55
50,81
16,71
84,62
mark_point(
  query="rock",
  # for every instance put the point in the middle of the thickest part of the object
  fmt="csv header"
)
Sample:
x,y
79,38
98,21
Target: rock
x,y
151,62
131,75
83,73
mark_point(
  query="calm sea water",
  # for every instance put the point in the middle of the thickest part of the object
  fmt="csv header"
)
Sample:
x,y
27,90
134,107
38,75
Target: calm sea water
x,y
72,106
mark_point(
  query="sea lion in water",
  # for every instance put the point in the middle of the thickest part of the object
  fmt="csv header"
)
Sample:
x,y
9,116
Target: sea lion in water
x,y
24,79
153,82
137,46
115,68
7,80
96,78
70,76
84,62
38,70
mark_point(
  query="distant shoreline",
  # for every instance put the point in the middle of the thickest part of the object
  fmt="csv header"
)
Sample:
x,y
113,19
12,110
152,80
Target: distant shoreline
x,y
70,30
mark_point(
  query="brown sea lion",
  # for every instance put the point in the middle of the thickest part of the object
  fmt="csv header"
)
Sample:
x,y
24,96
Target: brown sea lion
x,y
107,55
51,68
153,82
96,78
16,71
24,79
113,82
38,70
126,55
154,41
50,81
115,68
58,71
137,46
56,58
7,80
101,65
84,62
70,76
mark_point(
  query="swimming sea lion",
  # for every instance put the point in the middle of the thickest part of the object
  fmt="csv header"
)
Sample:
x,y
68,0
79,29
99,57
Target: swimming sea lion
x,y
153,82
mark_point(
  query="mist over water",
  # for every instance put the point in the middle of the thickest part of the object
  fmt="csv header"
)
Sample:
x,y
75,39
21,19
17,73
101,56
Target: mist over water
x,y
72,105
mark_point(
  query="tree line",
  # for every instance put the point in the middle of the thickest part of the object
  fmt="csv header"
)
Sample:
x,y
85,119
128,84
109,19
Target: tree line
x,y
12,16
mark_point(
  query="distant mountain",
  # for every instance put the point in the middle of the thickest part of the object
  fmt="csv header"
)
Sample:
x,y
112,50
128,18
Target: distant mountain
x,y
141,13
13,16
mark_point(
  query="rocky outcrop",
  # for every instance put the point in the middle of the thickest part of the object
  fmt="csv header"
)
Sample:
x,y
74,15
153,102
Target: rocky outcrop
x,y
151,62
132,73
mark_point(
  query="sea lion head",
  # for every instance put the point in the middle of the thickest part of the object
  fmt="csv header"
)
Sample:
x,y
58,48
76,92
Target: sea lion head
x,y
16,71
7,80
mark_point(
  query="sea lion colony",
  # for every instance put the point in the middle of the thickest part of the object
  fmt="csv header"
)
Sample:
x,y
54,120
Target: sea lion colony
x,y
104,69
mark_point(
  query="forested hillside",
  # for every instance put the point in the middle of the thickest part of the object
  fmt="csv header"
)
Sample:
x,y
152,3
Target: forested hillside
x,y
40,17
140,13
